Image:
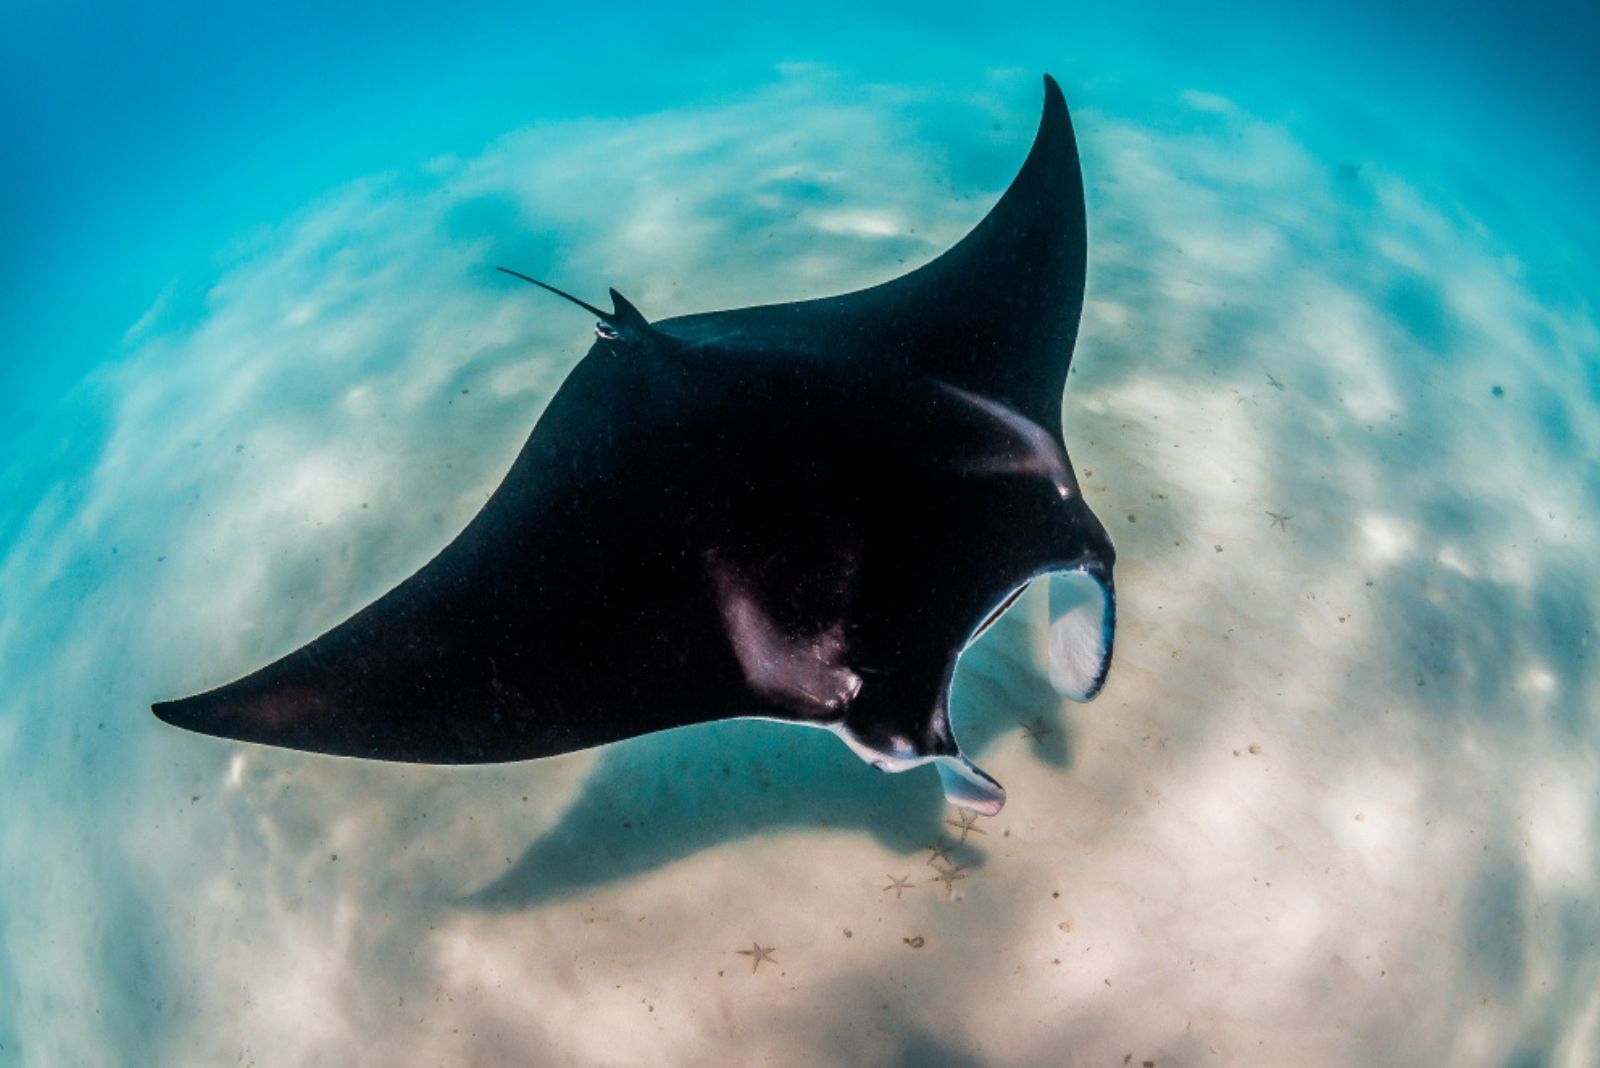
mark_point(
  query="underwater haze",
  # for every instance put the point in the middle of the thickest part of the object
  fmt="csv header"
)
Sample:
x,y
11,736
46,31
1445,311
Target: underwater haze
x,y
1336,396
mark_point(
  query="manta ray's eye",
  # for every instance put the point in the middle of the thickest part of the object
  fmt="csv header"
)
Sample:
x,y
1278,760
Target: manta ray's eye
x,y
605,332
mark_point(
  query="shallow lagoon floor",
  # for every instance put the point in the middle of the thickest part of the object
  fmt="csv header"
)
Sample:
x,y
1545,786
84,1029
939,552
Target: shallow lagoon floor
x,y
1336,806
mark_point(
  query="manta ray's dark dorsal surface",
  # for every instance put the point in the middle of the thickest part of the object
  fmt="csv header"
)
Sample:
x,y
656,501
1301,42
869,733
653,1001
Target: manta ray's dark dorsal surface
x,y
798,511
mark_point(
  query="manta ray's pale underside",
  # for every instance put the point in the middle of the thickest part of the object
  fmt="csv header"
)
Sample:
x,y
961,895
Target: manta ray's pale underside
x,y
796,511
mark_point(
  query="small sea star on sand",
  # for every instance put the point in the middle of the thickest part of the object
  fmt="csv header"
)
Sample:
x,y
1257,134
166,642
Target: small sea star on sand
x,y
939,852
966,822
899,886
1275,384
758,953
948,876
1037,729
1280,521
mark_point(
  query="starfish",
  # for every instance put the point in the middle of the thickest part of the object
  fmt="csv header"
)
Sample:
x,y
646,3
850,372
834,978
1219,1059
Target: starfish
x,y
758,953
968,822
1037,729
1275,384
899,886
948,876
940,852
1280,520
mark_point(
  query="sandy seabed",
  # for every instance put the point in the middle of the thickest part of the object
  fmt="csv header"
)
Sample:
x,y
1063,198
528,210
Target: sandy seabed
x,y
1336,806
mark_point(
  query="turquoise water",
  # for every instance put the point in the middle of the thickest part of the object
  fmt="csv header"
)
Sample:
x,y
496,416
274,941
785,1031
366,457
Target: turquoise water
x,y
1337,804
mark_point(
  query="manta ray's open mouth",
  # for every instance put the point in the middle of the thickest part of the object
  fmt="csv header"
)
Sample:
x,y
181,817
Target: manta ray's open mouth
x,y
1083,610
1081,630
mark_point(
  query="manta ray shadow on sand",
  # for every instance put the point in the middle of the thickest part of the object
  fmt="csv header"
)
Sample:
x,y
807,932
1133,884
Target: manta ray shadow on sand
x,y
801,512
651,801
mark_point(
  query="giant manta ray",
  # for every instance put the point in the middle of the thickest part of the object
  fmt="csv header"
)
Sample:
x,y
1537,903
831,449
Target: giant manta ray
x,y
801,512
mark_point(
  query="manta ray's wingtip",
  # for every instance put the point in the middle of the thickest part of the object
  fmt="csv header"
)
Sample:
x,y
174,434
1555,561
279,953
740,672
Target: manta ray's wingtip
x,y
186,713
182,713
1055,111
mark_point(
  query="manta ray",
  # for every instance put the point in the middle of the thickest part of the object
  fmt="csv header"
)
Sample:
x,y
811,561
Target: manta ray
x,y
802,512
